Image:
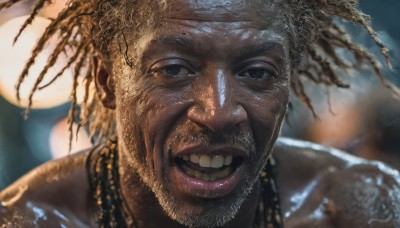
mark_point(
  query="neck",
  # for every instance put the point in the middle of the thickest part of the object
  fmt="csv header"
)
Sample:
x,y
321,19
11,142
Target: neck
x,y
147,212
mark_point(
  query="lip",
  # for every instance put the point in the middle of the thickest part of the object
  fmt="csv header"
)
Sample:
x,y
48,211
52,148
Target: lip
x,y
205,189
193,187
212,150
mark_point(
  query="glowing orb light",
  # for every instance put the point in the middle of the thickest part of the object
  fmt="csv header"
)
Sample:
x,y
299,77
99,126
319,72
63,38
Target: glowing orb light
x,y
13,59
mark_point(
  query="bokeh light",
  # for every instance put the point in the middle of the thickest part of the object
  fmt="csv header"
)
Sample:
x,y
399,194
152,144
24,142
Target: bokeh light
x,y
14,57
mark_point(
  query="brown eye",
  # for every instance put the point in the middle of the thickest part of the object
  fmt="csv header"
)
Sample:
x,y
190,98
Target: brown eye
x,y
257,73
175,70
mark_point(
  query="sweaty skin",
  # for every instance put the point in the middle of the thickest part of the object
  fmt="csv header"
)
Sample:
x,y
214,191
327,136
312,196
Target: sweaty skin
x,y
319,187
208,78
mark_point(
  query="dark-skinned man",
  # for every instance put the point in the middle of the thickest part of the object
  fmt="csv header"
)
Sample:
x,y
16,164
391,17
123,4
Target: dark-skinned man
x,y
190,98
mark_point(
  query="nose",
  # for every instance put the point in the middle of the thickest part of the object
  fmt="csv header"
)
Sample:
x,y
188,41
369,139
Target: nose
x,y
216,106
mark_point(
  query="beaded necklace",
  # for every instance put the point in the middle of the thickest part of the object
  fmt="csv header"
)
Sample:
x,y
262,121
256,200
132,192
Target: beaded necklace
x,y
111,211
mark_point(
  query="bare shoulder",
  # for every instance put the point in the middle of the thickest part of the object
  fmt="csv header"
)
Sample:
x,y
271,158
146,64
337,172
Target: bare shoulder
x,y
324,187
54,193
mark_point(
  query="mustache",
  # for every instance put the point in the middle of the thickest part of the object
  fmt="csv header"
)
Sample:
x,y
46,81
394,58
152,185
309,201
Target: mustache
x,y
195,133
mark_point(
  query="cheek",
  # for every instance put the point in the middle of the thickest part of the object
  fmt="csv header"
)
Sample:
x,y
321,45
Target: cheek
x,y
129,95
266,113
132,96
134,111
163,112
151,110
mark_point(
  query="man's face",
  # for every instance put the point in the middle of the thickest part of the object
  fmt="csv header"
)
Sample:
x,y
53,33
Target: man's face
x,y
202,106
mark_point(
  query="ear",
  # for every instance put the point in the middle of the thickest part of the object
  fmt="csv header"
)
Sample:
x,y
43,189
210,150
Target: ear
x,y
104,84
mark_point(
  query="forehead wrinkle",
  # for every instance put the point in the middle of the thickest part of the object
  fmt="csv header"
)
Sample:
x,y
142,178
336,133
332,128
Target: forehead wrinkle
x,y
200,26
223,6
235,19
220,11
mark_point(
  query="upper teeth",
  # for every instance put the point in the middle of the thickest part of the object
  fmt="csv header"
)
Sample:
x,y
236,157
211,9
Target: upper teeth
x,y
214,161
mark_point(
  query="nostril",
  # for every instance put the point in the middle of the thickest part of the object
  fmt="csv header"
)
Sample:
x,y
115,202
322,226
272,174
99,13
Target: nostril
x,y
217,119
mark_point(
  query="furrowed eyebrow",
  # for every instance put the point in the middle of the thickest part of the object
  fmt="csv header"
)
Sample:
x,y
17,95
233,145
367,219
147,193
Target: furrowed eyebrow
x,y
187,44
244,51
260,48
177,41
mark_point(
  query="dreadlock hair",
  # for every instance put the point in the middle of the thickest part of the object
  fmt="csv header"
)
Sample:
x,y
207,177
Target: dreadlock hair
x,y
88,27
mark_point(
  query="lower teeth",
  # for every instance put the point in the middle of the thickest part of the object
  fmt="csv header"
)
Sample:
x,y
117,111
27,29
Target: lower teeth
x,y
217,175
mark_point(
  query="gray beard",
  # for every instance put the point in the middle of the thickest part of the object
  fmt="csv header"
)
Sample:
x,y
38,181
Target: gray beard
x,y
216,216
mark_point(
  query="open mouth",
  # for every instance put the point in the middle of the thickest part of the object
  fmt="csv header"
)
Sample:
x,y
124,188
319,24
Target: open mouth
x,y
208,172
208,167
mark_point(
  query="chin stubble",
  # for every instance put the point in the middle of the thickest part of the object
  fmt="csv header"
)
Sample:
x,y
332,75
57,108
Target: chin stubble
x,y
215,216
219,215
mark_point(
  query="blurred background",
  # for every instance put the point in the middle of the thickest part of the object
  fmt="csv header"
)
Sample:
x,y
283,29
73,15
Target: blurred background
x,y
364,121
25,144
